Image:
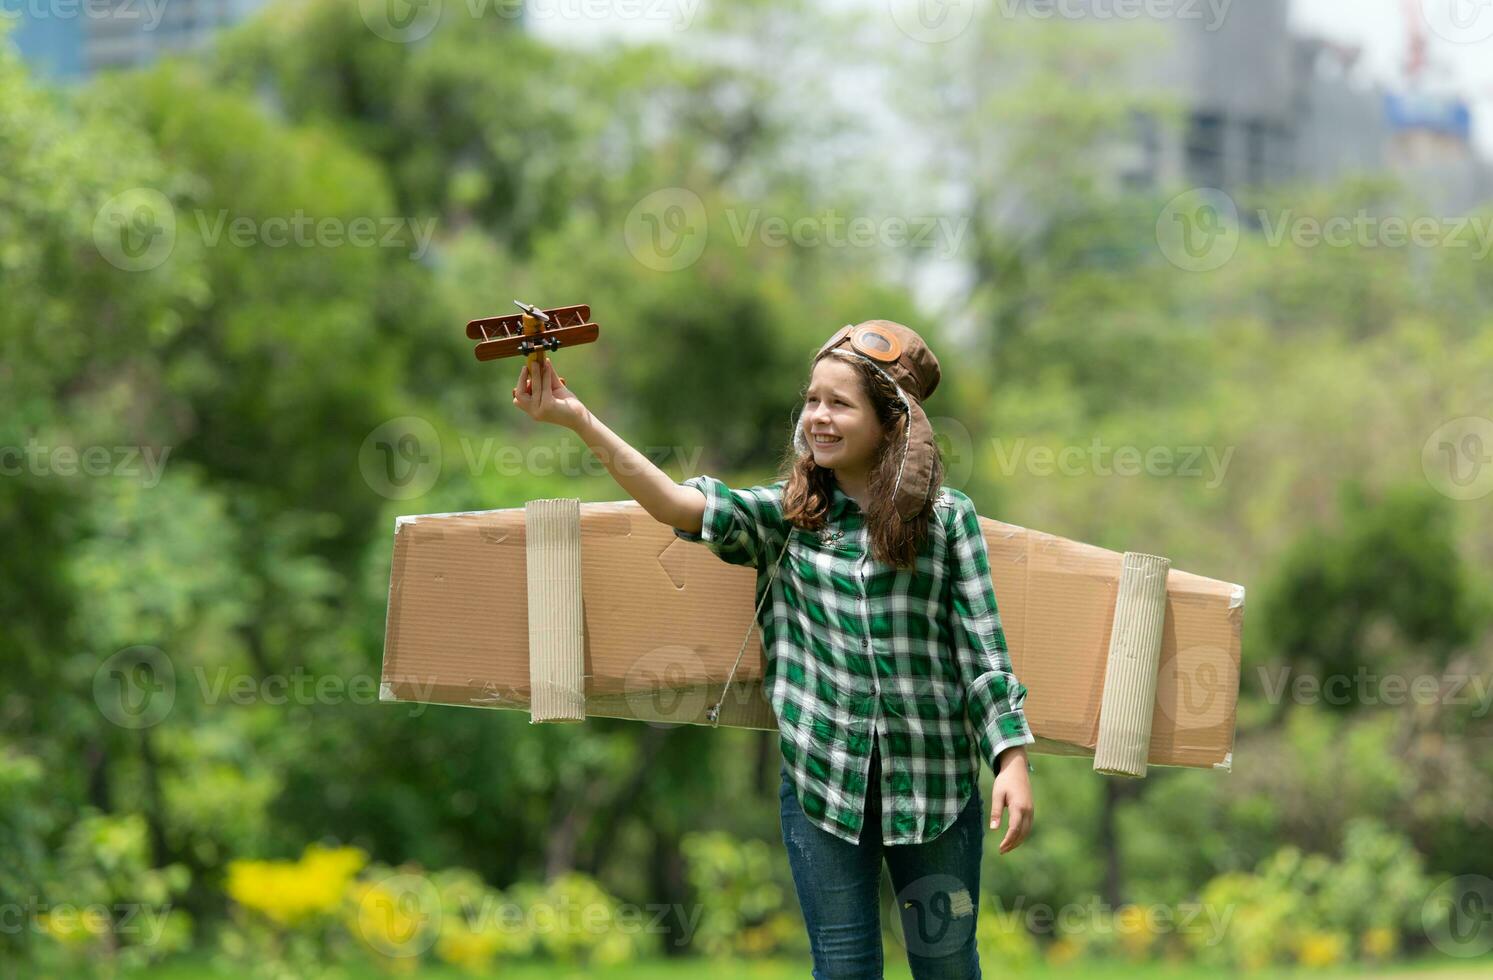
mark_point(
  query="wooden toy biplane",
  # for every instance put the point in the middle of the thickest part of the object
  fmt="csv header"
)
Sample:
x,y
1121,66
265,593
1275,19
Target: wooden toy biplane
x,y
531,332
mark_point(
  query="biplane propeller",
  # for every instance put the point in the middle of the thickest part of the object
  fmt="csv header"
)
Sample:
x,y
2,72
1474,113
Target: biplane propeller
x,y
532,332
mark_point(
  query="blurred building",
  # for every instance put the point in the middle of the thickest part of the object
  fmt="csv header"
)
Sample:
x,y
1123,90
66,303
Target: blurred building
x,y
63,41
1261,105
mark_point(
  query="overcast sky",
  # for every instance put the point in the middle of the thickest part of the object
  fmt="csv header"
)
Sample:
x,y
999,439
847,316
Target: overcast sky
x,y
1460,35
1459,32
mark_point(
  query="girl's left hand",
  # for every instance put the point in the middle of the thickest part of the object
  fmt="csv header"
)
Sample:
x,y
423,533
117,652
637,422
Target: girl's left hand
x,y
1013,792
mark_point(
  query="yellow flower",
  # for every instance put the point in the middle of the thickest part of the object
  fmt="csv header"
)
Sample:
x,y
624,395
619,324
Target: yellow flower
x,y
1134,930
471,951
289,892
1318,949
1061,951
1379,942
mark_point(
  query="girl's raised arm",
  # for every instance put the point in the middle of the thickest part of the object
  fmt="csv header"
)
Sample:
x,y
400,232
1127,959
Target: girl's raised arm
x,y
551,401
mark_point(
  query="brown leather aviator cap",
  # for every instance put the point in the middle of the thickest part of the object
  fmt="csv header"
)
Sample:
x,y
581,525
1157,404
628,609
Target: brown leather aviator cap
x,y
900,354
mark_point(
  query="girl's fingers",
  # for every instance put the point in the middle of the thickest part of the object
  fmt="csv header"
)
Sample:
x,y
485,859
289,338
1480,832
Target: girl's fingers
x,y
525,392
1023,830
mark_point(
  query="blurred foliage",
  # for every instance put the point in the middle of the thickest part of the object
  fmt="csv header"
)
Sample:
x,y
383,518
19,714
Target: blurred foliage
x,y
750,909
1394,564
295,918
119,912
1317,911
230,569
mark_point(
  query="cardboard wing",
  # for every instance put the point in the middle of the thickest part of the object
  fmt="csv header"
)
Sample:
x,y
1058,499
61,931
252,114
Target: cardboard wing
x,y
663,620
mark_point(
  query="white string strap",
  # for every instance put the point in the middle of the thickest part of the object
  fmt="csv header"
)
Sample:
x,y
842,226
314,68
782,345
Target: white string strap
x,y
713,713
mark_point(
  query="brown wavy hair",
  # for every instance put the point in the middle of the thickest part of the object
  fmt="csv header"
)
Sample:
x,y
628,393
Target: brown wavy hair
x,y
807,496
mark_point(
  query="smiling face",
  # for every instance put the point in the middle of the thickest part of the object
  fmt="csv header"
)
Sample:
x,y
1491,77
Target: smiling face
x,y
836,406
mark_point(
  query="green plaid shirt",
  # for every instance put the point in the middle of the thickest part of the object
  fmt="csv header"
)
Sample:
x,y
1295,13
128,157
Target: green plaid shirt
x,y
857,649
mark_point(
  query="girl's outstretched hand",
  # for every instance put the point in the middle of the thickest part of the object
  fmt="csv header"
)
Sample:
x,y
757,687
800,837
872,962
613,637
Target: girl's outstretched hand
x,y
548,400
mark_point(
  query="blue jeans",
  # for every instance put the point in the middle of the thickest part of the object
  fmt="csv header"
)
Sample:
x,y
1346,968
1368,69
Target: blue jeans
x,y
937,885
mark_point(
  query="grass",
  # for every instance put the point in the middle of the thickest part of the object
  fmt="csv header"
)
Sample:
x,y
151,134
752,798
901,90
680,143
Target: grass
x,y
1439,968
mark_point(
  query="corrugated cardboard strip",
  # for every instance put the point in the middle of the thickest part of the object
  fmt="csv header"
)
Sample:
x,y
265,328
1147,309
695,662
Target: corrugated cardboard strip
x,y
1130,675
557,634
663,618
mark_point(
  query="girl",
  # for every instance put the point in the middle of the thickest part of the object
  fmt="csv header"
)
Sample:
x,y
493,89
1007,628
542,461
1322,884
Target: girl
x,y
887,666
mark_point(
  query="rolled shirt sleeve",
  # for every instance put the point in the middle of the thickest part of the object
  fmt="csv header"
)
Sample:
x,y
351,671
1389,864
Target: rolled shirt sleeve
x,y
993,695
739,526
